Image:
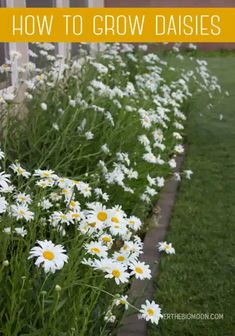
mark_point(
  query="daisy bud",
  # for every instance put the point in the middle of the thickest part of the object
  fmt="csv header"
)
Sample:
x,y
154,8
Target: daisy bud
x,y
57,288
5,263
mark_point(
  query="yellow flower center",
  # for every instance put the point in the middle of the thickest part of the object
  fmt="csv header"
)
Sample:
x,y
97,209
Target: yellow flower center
x,y
167,247
45,174
150,312
21,212
92,224
139,270
72,203
106,239
20,170
120,258
63,216
102,216
115,220
116,273
75,215
95,250
48,255
131,222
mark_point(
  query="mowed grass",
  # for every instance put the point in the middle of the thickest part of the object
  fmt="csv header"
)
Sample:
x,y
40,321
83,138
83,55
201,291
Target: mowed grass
x,y
200,277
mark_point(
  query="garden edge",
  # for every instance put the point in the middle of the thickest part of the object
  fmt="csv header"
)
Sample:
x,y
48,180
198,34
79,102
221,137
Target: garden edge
x,y
160,223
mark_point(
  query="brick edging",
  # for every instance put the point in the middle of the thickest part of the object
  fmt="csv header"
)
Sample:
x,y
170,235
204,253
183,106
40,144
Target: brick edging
x,y
132,326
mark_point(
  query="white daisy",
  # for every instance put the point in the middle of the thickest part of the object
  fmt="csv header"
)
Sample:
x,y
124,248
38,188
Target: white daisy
x,y
20,171
168,248
172,163
45,174
23,198
179,149
121,257
51,256
98,214
140,270
160,181
60,217
97,249
4,180
106,239
21,211
134,223
3,205
21,231
7,230
44,183
45,204
151,311
122,300
7,189
118,272
188,174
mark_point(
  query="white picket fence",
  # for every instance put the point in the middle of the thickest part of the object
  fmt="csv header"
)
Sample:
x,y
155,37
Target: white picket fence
x,y
62,48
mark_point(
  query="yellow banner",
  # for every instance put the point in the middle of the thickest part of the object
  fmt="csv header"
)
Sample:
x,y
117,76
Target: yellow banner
x,y
117,24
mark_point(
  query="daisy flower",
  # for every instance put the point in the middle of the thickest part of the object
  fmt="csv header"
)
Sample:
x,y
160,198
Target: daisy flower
x,y
122,300
76,215
45,204
3,205
172,163
23,198
118,272
83,188
44,183
164,246
97,249
62,218
188,174
21,211
20,171
74,205
114,217
7,230
121,257
140,270
45,174
21,231
134,223
118,229
51,256
179,149
160,181
151,311
8,189
4,180
107,240
67,193
98,214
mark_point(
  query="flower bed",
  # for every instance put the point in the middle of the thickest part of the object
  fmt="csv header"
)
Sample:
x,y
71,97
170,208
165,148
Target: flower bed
x,y
98,138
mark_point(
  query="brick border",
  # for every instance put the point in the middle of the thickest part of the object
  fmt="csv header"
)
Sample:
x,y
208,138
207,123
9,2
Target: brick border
x,y
132,326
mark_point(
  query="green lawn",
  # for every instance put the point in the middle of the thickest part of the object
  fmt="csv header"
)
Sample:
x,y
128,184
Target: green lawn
x,y
200,277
